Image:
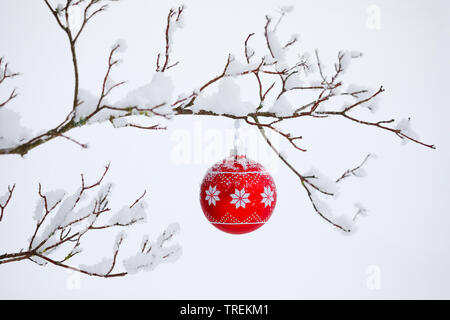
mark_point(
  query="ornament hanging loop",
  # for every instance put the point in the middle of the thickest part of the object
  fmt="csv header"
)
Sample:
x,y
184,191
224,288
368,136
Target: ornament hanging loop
x,y
239,148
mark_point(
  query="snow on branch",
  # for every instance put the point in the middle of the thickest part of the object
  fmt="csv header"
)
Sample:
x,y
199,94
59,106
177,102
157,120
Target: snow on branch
x,y
63,221
358,171
281,72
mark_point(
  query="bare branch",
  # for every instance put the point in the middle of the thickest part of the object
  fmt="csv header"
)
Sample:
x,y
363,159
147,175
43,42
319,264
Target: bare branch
x,y
4,201
6,74
355,171
69,225
174,17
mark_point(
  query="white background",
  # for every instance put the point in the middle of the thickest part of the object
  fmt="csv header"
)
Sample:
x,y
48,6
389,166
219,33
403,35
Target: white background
x,y
296,255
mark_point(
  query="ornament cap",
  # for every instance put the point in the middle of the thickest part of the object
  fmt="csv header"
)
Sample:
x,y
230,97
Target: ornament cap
x,y
237,163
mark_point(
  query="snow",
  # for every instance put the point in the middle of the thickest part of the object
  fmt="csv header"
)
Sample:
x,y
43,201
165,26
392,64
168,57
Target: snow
x,y
373,104
282,107
294,38
88,104
119,122
72,215
159,91
67,205
227,100
105,190
119,238
101,268
361,208
269,60
353,88
148,261
321,205
277,50
250,51
346,223
286,9
122,46
174,26
77,250
323,208
129,215
104,266
110,83
4,198
362,211
309,67
173,229
346,58
356,54
360,172
322,182
53,197
404,126
294,80
39,261
11,131
145,241
236,68
59,8
66,214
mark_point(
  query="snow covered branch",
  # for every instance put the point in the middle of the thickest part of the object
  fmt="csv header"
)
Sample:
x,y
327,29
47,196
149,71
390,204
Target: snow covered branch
x,y
282,73
357,171
63,221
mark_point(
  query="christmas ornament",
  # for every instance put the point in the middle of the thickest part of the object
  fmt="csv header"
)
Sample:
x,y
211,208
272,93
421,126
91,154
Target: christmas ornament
x,y
237,195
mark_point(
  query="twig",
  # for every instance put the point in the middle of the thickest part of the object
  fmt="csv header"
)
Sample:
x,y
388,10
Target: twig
x,y
352,172
5,204
71,228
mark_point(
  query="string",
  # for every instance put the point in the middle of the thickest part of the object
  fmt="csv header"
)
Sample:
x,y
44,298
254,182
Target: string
x,y
238,145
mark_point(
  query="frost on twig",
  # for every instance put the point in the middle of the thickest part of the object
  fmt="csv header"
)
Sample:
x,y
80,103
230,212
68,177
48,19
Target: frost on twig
x,y
358,171
63,221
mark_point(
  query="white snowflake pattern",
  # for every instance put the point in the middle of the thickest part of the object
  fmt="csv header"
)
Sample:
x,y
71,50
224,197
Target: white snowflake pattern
x,y
267,196
240,198
212,195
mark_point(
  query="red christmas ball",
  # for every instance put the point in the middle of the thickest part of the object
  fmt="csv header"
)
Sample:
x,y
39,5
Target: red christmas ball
x,y
238,195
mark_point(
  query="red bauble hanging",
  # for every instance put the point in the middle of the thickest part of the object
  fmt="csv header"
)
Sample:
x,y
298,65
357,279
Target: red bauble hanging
x,y
238,195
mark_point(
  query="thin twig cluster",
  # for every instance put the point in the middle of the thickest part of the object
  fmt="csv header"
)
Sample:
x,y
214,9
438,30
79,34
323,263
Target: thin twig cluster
x,y
62,222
